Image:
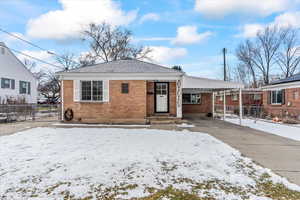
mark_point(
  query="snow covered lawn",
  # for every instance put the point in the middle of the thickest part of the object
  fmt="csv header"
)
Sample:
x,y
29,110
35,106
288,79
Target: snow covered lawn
x,y
287,131
99,163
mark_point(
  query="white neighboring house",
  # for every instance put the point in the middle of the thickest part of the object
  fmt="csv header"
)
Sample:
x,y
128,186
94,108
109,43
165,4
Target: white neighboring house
x,y
16,81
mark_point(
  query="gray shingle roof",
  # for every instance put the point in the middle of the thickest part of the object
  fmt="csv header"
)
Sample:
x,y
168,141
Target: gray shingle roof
x,y
124,66
293,78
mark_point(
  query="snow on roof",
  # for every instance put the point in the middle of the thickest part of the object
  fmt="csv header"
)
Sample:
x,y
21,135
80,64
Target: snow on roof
x,y
125,66
192,82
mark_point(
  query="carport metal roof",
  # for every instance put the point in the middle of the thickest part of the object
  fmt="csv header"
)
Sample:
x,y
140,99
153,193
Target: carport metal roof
x,y
205,84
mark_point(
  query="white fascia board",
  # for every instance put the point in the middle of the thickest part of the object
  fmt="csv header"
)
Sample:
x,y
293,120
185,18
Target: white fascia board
x,y
120,76
282,86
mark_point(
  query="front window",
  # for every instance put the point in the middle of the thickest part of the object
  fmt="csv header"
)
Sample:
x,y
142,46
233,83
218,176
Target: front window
x,y
91,90
277,97
191,98
24,87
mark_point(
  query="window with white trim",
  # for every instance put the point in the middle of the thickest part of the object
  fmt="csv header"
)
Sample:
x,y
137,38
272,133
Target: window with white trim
x,y
24,87
234,97
277,97
296,95
91,90
256,97
7,83
220,98
191,98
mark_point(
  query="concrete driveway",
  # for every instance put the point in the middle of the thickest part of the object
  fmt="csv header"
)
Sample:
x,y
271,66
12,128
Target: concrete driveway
x,y
280,154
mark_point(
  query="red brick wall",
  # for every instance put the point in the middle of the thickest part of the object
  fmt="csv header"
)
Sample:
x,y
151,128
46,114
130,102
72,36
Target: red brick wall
x,y
129,107
278,110
204,107
247,100
132,107
150,98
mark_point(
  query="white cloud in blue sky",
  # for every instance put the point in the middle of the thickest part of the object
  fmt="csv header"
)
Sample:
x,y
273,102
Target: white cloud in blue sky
x,y
190,33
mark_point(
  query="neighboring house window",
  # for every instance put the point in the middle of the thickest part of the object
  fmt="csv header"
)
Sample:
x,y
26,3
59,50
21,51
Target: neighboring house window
x,y
277,97
24,87
220,98
234,97
256,97
7,83
296,95
91,90
125,88
191,98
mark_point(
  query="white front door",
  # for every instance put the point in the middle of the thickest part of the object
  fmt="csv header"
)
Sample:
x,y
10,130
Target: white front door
x,y
162,93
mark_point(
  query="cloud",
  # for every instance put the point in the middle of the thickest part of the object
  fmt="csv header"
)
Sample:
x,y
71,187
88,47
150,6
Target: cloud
x,y
250,30
75,15
189,35
10,40
41,55
220,8
288,19
153,39
149,17
162,54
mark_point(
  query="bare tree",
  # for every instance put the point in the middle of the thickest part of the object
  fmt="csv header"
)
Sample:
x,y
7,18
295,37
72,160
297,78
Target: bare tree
x,y
67,61
245,55
109,43
50,88
288,58
259,55
30,65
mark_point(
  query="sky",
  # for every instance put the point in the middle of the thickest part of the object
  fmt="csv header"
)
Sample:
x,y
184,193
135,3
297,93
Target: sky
x,y
189,33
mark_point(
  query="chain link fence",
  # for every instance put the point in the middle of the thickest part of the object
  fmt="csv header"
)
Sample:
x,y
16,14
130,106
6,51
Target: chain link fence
x,y
24,112
288,115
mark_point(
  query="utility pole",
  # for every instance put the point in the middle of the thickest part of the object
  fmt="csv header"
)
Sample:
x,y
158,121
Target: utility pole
x,y
224,58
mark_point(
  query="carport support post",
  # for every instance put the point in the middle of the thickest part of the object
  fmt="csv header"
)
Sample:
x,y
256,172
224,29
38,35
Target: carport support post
x,y
213,105
224,104
241,105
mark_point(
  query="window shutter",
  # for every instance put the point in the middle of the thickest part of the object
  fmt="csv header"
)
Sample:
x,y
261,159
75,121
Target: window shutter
x,y
2,82
269,97
20,87
29,88
106,90
76,90
12,84
283,97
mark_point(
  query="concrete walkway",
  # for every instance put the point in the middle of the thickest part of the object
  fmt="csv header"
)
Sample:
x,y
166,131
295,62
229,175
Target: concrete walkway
x,y
279,154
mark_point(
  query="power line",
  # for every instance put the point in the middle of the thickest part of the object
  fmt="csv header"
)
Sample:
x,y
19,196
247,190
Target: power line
x,y
32,57
34,45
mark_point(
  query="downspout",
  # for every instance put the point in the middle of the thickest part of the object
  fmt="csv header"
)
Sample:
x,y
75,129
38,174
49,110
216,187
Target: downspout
x,y
62,98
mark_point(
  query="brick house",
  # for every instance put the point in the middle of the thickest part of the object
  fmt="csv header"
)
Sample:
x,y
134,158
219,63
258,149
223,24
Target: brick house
x,y
124,91
251,97
282,97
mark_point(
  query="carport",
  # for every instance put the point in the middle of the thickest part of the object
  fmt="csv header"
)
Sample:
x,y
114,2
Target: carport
x,y
197,85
